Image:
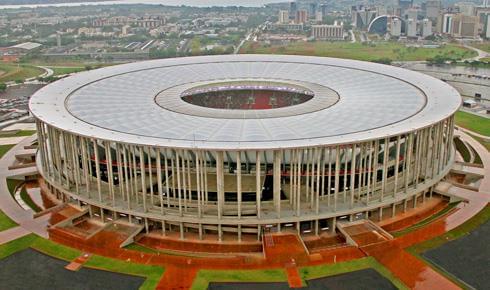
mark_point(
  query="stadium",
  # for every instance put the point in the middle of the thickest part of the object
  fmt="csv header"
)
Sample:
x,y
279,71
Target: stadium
x,y
224,148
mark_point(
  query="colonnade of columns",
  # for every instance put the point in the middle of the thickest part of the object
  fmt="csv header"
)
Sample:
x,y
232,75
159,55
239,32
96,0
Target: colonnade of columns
x,y
243,190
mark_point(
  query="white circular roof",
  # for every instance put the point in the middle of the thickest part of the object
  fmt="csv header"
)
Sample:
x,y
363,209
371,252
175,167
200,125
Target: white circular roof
x,y
140,102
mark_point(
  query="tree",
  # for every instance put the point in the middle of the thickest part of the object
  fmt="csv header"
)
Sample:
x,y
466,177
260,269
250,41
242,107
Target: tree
x,y
3,87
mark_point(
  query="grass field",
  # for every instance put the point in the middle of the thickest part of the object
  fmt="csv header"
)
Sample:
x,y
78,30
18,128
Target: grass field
x,y
20,133
462,149
5,148
59,70
485,143
13,72
5,222
485,46
314,272
369,52
473,122
151,273
205,276
426,221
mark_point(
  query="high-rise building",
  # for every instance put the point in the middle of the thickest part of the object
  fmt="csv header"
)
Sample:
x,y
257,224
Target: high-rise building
x,y
301,16
486,27
464,26
411,13
432,9
293,8
283,16
447,23
396,26
411,28
331,32
319,16
466,8
313,8
426,28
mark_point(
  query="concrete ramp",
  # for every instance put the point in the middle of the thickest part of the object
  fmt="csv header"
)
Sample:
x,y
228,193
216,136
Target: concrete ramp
x,y
363,232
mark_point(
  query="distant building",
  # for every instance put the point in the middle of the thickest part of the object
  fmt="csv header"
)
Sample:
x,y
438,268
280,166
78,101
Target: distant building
x,y
396,26
301,17
446,23
363,17
283,16
466,8
293,8
312,8
432,9
426,28
319,16
329,32
411,28
464,26
486,29
286,27
411,13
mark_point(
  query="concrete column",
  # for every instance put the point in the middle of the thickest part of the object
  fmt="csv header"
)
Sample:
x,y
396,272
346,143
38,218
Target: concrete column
x,y
199,188
150,177
258,184
97,168
177,173
353,167
324,156
277,181
143,178
239,184
181,229
337,172
126,169
333,225
299,155
385,167
370,169
397,164
110,173
329,180
317,184
167,186
220,183
159,178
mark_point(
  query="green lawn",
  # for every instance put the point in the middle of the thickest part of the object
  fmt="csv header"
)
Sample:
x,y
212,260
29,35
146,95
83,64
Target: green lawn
x,y
13,72
151,273
12,185
66,70
485,46
369,52
205,276
462,149
485,143
426,221
473,122
319,271
140,248
20,133
5,148
5,222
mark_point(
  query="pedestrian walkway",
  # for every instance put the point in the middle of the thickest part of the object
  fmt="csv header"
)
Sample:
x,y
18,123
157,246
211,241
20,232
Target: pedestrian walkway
x,y
24,218
177,277
12,234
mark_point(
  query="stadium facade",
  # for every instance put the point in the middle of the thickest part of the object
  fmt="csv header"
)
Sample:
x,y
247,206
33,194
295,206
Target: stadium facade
x,y
230,145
